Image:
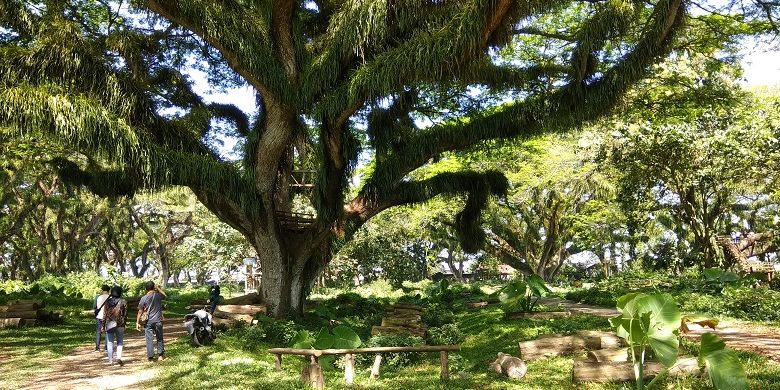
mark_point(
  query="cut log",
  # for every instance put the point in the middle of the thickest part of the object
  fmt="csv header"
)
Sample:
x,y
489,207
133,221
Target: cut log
x,y
35,303
19,307
28,322
249,299
477,305
608,339
406,306
398,330
23,314
241,309
349,369
588,371
234,317
557,346
403,313
409,323
10,322
614,355
541,315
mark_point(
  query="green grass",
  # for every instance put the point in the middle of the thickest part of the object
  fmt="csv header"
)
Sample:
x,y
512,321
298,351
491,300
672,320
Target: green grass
x,y
227,364
24,352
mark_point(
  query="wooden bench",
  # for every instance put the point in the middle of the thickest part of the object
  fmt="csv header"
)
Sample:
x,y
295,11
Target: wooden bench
x,y
313,373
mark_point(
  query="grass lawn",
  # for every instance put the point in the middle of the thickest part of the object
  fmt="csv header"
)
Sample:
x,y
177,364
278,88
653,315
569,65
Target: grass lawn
x,y
24,352
226,365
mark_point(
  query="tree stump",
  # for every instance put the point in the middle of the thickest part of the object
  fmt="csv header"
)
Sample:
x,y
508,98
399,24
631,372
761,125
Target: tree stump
x,y
509,365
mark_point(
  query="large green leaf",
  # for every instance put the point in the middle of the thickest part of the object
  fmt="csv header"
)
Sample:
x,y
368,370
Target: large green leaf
x,y
663,309
345,337
303,340
723,366
324,339
537,285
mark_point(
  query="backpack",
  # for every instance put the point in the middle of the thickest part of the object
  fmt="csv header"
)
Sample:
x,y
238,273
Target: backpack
x,y
115,316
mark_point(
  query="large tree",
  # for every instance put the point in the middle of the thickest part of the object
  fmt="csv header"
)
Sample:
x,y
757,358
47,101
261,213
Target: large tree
x,y
332,78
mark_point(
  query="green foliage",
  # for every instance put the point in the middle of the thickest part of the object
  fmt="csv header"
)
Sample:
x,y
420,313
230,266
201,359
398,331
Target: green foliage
x,y
448,334
522,295
723,366
652,321
391,360
436,315
340,337
755,304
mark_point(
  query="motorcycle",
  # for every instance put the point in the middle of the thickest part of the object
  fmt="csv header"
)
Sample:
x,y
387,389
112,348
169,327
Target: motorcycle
x,y
200,327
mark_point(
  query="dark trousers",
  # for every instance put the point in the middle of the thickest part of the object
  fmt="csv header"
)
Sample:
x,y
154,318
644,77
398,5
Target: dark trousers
x,y
151,330
98,327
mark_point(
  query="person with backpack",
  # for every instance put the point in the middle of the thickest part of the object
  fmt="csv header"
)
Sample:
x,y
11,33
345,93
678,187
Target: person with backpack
x,y
100,311
150,317
115,320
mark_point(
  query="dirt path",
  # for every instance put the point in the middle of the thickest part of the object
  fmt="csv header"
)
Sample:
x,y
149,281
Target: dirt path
x,y
763,340
87,369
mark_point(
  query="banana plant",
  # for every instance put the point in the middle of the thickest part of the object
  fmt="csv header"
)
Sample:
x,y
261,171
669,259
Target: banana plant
x,y
652,321
522,295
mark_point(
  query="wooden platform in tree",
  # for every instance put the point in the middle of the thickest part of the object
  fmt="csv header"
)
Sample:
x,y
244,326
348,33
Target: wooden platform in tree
x,y
295,221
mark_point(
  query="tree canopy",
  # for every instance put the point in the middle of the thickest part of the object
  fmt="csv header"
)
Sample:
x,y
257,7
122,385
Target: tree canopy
x,y
335,81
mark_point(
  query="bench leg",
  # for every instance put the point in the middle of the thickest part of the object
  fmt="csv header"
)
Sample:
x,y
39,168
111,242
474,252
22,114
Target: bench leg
x,y
375,367
312,374
349,369
278,361
445,365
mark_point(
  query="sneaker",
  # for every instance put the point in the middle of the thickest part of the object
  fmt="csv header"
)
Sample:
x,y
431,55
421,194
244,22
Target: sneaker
x,y
151,359
110,363
97,349
162,357
121,363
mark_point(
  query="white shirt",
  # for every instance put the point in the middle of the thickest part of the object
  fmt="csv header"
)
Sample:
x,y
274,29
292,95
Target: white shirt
x,y
100,299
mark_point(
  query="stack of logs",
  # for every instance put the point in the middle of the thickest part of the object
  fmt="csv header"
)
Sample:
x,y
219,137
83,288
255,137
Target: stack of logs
x,y
26,312
607,357
401,319
229,314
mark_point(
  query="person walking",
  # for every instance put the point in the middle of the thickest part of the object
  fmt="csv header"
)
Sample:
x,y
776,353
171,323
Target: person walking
x,y
115,320
214,298
100,312
150,307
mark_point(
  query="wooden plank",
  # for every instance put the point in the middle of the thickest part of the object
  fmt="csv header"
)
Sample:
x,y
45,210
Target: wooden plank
x,y
615,355
10,322
603,372
322,352
278,361
557,346
477,305
23,314
542,315
241,309
398,330
407,306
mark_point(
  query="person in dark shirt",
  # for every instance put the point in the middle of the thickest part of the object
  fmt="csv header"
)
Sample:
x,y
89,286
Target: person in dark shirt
x,y
151,305
214,298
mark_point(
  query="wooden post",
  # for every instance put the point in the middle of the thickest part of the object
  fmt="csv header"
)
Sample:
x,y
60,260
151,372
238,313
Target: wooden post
x,y
445,365
312,374
375,367
278,359
349,369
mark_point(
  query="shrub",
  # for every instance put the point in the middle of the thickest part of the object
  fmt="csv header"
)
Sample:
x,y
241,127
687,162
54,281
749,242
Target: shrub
x,y
391,360
251,337
436,315
693,302
759,304
279,332
448,334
